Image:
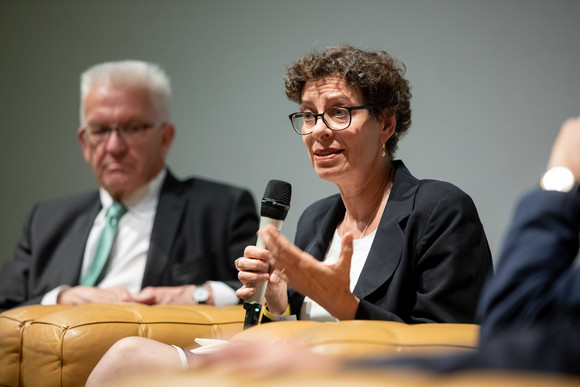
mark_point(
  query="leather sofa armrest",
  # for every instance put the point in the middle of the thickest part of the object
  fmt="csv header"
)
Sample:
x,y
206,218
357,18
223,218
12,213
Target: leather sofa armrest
x,y
13,323
357,338
60,345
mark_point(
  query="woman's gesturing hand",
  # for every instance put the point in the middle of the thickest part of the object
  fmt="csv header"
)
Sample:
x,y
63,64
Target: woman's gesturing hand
x,y
327,284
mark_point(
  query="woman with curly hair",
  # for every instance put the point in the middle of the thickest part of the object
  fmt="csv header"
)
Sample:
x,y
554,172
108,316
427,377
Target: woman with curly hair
x,y
388,246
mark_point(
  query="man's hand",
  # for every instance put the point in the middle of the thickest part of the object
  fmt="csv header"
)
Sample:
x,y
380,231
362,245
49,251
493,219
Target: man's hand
x,y
86,294
165,295
566,149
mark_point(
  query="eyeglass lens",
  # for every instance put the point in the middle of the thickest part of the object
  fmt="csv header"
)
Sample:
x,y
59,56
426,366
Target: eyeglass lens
x,y
130,133
335,118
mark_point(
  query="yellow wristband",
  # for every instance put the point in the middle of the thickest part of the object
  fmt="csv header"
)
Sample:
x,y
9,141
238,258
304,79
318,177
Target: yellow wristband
x,y
272,316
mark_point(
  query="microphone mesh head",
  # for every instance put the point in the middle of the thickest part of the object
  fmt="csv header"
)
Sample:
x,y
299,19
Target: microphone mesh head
x,y
276,200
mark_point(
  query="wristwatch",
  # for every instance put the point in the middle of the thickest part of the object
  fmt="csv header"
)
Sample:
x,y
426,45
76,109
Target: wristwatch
x,y
559,179
200,294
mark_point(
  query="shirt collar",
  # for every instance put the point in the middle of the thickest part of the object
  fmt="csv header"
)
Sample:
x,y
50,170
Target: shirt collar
x,y
143,199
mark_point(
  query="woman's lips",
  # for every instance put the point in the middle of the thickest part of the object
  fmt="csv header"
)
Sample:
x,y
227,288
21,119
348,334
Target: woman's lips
x,y
326,154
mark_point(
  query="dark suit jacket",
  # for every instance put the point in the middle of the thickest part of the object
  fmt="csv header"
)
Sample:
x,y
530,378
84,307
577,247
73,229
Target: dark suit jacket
x,y
200,228
536,278
530,310
429,259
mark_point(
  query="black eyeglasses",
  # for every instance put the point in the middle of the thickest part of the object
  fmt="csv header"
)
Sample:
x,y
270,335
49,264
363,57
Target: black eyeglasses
x,y
132,133
336,118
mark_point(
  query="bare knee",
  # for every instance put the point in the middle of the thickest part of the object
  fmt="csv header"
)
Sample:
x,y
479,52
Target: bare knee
x,y
122,358
127,344
125,352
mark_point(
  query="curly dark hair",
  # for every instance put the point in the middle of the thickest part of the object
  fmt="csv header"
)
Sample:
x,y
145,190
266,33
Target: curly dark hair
x,y
375,73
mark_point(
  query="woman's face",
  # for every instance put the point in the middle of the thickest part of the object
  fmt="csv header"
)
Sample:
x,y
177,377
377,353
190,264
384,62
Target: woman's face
x,y
350,154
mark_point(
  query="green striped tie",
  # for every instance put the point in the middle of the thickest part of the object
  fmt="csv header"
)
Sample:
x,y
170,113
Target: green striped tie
x,y
97,267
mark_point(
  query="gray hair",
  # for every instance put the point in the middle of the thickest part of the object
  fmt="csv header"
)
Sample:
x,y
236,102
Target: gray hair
x,y
129,74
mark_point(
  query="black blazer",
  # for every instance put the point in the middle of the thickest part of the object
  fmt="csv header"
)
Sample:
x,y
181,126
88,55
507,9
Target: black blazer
x,y
200,228
428,261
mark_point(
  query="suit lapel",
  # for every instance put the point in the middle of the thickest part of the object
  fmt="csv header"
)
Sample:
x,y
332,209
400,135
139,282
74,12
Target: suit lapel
x,y
84,224
167,219
323,235
386,250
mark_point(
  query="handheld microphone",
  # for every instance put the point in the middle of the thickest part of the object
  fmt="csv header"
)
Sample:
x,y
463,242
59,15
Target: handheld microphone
x,y
275,206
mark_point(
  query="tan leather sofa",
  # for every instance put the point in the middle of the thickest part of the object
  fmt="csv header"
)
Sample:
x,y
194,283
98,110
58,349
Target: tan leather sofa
x,y
59,345
358,338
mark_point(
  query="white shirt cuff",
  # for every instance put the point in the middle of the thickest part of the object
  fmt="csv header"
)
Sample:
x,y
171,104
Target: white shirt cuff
x,y
223,294
51,297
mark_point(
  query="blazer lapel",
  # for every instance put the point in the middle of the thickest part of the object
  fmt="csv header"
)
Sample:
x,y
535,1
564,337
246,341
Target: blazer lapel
x,y
323,235
167,219
385,253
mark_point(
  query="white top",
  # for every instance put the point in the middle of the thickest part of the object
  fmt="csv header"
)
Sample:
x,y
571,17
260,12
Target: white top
x,y
129,252
310,310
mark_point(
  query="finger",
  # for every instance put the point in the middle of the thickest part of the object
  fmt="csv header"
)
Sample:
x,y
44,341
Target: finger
x,y
245,292
345,256
565,148
147,298
126,298
282,252
278,276
256,253
254,265
146,292
125,295
248,276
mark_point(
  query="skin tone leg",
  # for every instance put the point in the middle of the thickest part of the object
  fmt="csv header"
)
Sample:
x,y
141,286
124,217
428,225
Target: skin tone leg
x,y
264,358
132,356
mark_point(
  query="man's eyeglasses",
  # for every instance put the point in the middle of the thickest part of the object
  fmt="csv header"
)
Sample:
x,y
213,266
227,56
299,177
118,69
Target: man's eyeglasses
x,y
132,133
336,118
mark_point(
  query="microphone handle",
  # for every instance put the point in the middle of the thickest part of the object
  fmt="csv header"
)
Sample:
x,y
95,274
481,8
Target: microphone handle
x,y
253,305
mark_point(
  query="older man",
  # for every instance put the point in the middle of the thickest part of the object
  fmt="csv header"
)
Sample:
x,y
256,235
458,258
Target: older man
x,y
143,228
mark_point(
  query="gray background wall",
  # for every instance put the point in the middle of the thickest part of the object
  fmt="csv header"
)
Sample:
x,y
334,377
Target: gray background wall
x,y
492,82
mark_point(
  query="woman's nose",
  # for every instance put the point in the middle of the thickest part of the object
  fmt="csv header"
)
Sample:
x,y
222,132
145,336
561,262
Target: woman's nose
x,y
321,129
